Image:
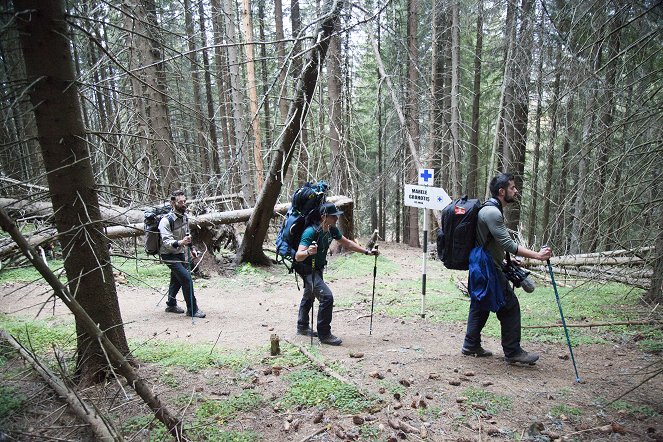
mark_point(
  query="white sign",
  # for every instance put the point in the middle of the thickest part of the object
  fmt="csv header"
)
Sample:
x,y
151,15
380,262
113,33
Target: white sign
x,y
426,177
426,197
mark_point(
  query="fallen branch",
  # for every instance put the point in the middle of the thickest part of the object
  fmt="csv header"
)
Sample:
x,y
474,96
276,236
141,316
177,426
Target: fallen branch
x,y
312,435
328,371
597,324
99,424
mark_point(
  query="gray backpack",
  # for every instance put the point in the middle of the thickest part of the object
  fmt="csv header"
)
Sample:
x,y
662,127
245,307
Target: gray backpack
x,y
151,227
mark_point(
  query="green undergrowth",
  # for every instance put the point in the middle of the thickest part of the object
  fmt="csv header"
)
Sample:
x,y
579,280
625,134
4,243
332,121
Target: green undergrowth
x,y
192,357
491,402
196,429
29,274
356,265
222,411
563,410
309,388
11,401
147,271
39,335
588,303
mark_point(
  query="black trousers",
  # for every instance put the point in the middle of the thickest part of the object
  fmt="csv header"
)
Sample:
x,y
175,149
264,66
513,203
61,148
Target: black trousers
x,y
325,306
508,315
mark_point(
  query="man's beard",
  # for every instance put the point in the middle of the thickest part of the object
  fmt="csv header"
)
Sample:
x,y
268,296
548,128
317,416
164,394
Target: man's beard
x,y
509,199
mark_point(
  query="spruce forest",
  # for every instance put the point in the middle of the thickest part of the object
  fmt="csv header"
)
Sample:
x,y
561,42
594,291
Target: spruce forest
x,y
106,107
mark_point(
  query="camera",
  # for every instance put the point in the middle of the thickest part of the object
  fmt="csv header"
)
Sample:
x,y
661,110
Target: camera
x,y
518,276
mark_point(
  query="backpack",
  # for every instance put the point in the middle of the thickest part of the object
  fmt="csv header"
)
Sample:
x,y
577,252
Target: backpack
x,y
151,227
483,284
457,235
304,201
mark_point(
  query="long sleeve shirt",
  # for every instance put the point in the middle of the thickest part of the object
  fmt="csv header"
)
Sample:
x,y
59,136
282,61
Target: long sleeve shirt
x,y
493,234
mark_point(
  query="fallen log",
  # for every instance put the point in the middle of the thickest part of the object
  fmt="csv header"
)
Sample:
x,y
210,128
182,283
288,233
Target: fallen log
x,y
202,221
109,212
99,424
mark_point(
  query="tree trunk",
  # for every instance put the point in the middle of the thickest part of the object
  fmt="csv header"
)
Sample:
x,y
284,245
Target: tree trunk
x,y
534,194
223,82
280,57
149,51
213,136
472,184
550,150
436,95
338,159
69,173
264,74
455,100
519,104
256,229
198,119
412,224
253,94
241,154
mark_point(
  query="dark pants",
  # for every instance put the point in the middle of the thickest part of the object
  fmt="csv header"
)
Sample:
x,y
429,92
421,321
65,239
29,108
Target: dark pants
x,y
508,315
180,278
325,307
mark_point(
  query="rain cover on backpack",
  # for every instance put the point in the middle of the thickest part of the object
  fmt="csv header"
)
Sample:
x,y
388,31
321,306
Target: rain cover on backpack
x,y
307,198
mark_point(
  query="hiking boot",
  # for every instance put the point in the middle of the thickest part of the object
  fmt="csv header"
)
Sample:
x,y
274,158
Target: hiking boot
x,y
174,309
523,358
331,340
478,352
199,314
307,332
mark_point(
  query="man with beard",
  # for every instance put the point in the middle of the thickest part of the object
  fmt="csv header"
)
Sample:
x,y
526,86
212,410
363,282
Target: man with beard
x,y
176,251
493,235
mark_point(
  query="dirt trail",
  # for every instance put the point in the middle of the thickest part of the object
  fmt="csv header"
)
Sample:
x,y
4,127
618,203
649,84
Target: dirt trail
x,y
423,354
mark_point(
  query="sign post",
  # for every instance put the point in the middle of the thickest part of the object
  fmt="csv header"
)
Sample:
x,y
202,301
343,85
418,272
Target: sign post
x,y
426,197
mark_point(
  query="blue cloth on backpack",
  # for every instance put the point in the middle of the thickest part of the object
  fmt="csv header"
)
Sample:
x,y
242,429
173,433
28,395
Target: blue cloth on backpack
x,y
484,282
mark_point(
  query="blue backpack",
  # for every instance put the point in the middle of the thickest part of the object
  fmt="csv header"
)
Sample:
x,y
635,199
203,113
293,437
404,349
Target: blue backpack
x,y
305,200
483,283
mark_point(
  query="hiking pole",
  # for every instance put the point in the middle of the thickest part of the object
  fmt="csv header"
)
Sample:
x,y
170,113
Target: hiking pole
x,y
566,331
188,262
375,271
312,291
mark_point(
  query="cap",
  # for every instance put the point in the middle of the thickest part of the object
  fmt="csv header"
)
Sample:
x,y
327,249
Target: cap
x,y
330,209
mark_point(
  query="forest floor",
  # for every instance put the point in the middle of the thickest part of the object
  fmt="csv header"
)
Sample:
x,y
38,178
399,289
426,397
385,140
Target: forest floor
x,y
414,382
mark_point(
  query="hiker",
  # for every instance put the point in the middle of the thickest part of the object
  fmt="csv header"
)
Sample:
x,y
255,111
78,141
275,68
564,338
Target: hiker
x,y
492,234
315,243
176,252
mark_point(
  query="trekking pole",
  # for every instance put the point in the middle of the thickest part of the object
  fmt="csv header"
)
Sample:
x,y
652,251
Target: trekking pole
x,y
312,292
188,262
566,331
375,271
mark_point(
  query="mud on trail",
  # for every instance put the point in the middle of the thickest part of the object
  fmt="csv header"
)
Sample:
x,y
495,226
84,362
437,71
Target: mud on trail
x,y
416,383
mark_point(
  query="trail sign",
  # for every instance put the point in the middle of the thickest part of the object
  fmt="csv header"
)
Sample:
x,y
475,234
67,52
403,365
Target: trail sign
x,y
426,197
426,177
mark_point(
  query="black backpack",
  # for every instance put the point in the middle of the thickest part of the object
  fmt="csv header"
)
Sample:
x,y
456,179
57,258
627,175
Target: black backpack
x,y
305,200
457,235
151,222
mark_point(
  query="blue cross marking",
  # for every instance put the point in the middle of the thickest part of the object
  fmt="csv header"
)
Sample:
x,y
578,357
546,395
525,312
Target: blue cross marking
x,y
426,175
439,199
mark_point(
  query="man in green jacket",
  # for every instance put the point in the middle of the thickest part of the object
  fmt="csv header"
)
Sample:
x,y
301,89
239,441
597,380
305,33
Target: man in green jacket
x,y
315,243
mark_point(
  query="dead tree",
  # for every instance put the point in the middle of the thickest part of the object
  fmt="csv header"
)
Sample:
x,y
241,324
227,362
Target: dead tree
x,y
256,230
